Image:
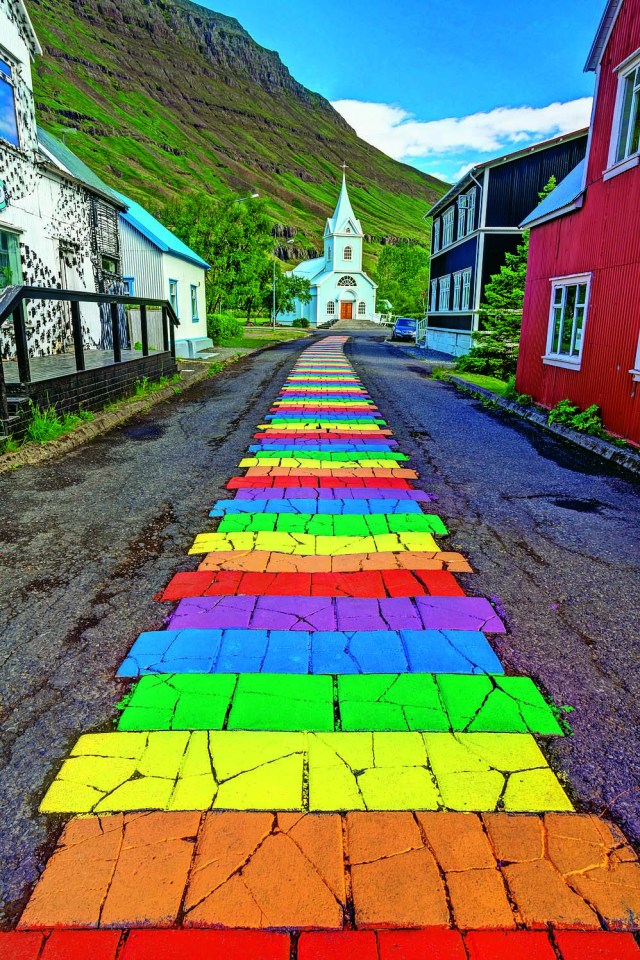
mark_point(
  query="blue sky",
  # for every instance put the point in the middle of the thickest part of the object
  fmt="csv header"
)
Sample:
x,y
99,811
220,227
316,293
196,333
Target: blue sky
x,y
440,84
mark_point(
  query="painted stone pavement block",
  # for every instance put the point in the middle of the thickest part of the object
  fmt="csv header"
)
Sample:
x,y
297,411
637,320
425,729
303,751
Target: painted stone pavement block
x,y
314,505
273,870
339,652
241,770
334,526
265,561
336,613
392,702
368,584
304,544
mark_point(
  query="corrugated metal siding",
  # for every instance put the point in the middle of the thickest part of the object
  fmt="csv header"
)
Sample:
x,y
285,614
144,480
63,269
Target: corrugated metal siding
x,y
624,41
602,238
142,261
515,185
453,259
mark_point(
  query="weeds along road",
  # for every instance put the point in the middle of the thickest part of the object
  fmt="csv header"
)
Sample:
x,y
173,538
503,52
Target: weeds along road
x,y
552,533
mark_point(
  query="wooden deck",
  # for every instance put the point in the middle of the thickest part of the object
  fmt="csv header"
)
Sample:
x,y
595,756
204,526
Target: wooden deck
x,y
64,364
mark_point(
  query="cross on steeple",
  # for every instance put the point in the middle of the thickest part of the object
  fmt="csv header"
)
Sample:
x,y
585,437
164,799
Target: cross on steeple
x,y
344,169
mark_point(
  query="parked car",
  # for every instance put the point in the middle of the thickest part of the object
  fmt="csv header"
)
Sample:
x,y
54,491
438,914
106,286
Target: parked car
x,y
404,329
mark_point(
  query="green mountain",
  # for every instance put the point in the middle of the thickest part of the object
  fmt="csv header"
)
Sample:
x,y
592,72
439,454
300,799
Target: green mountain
x,y
165,97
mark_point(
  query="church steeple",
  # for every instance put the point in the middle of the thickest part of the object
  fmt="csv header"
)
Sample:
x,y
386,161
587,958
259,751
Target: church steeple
x,y
344,219
343,235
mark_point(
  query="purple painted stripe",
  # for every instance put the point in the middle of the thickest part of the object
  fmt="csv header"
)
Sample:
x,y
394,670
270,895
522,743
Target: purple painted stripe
x,y
336,613
323,493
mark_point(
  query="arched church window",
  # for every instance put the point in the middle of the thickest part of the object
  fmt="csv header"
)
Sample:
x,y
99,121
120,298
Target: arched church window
x,y
348,253
346,282
331,307
362,308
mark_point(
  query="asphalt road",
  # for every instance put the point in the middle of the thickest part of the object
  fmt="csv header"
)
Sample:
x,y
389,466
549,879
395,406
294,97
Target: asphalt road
x,y
86,542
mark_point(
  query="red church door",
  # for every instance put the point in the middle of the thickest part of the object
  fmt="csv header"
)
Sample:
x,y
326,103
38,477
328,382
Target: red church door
x,y
346,310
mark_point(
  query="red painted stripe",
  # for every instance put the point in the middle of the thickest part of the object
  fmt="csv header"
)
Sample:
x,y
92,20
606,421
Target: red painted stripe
x,y
373,584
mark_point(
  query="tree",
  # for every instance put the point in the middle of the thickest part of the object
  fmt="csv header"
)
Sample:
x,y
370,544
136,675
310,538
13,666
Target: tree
x,y
495,344
289,288
403,278
235,240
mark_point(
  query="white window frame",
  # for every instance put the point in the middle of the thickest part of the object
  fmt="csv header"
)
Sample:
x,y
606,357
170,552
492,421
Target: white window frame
x,y
444,293
193,293
635,372
628,72
462,217
348,253
447,227
435,239
434,296
569,361
465,299
9,79
331,308
173,295
362,308
471,210
457,290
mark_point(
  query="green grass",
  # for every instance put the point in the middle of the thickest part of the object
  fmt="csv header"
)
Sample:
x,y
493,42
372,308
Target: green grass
x,y
145,388
47,424
480,380
155,146
263,338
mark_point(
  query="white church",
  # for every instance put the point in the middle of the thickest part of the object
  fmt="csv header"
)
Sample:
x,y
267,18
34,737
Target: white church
x,y
340,290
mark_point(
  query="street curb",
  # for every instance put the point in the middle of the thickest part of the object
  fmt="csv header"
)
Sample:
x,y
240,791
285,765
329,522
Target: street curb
x,y
625,458
33,454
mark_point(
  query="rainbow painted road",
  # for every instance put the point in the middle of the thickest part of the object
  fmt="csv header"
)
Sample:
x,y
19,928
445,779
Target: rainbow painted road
x,y
321,756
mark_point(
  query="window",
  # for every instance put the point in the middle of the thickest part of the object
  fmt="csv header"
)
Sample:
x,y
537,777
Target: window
x,y
447,227
466,290
457,289
627,134
173,295
434,296
346,282
569,298
331,308
194,303
348,253
462,217
362,308
471,210
129,285
10,270
329,254
445,285
8,116
435,244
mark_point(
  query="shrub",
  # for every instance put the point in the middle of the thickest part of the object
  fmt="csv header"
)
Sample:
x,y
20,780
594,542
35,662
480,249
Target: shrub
x,y
589,421
563,413
301,322
223,326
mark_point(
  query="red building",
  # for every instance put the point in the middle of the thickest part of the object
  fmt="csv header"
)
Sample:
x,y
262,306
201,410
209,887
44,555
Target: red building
x,y
581,323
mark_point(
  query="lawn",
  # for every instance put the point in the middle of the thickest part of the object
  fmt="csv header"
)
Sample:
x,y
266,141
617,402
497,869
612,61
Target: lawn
x,y
252,339
481,380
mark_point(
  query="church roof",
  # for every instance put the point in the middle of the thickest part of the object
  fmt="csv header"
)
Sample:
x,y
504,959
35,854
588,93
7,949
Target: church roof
x,y
343,214
309,268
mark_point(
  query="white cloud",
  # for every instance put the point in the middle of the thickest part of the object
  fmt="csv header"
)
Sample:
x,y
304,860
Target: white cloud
x,y
396,132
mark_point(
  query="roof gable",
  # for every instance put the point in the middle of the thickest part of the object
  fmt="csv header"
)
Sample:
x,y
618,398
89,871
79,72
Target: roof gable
x,y
18,14
561,200
603,33
159,235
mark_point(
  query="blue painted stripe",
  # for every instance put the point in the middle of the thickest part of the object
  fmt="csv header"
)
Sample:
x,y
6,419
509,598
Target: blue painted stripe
x,y
283,651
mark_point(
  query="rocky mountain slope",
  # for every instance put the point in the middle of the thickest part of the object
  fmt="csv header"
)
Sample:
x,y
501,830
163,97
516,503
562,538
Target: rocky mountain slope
x,y
164,97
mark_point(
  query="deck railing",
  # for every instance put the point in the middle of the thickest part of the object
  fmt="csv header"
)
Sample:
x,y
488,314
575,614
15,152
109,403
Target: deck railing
x,y
13,311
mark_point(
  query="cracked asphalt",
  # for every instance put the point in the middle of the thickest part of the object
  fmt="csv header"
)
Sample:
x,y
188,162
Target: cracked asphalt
x,y
552,533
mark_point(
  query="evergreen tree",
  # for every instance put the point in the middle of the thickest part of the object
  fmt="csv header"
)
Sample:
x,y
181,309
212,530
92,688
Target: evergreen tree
x,y
495,344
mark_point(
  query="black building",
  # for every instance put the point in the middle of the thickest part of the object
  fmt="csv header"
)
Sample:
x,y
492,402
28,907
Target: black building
x,y
475,224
